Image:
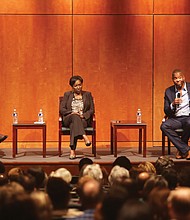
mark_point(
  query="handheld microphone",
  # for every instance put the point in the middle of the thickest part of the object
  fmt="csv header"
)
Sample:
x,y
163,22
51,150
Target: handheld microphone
x,y
178,96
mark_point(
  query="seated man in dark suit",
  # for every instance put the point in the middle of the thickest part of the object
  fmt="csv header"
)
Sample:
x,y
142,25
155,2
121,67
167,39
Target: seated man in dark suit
x,y
177,109
2,137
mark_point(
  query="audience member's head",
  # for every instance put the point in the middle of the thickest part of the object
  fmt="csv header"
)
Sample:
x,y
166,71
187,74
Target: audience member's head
x,y
26,180
135,210
141,180
62,173
16,171
43,204
157,200
118,174
2,167
122,161
153,182
112,202
89,191
59,192
94,171
3,179
163,162
135,171
179,203
84,161
184,176
131,187
16,204
147,167
40,176
170,174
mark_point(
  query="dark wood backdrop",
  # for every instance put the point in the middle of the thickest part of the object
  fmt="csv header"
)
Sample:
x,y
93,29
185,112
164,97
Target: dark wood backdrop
x,y
125,50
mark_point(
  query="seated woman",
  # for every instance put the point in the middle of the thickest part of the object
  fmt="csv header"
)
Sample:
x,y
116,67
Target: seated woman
x,y
77,109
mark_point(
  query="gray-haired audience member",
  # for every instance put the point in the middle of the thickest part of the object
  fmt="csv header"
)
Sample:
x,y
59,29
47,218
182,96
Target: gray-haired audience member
x,y
118,174
94,171
62,173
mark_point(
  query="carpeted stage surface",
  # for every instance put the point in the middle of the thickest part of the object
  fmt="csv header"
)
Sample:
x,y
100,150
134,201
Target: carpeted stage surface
x,y
30,157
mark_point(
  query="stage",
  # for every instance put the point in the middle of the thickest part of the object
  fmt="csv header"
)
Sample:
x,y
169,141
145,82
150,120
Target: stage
x,y
27,157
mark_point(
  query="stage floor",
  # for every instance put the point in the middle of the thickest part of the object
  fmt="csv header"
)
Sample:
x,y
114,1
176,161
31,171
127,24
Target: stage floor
x,y
33,156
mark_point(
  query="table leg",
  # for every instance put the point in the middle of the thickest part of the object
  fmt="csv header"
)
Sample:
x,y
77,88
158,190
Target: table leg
x,y
115,140
44,141
140,140
111,137
14,141
144,143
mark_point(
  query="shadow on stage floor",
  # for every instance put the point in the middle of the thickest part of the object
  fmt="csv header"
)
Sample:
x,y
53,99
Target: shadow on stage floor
x,y
29,157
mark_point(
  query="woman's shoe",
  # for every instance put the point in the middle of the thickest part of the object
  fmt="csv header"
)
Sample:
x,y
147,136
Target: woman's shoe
x,y
2,137
178,155
88,144
72,157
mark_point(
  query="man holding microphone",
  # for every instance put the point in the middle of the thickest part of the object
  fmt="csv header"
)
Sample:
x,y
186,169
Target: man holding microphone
x,y
177,110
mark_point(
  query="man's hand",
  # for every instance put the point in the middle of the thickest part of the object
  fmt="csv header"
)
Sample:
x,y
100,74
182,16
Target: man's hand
x,y
176,101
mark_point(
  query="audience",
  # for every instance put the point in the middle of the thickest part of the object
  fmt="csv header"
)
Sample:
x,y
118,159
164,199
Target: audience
x,y
118,174
142,191
112,203
59,193
123,161
16,204
153,182
157,201
40,176
184,176
3,179
62,173
135,210
179,203
163,162
90,193
135,171
147,167
43,204
84,161
93,170
141,180
171,176
2,168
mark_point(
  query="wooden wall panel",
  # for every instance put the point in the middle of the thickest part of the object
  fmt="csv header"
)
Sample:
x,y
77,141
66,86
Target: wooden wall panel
x,y
35,7
36,62
172,50
114,55
125,59
171,7
113,7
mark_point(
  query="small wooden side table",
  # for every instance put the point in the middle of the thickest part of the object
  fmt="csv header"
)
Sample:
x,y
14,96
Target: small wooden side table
x,y
126,124
28,125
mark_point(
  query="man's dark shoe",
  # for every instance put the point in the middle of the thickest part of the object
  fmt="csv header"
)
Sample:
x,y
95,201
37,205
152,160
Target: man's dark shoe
x,y
2,137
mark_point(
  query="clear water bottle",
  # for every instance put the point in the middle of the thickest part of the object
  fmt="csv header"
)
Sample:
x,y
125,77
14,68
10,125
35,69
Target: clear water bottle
x,y
139,116
40,116
15,116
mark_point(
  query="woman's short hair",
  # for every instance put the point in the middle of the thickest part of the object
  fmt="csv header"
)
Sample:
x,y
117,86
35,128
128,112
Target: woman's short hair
x,y
73,79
